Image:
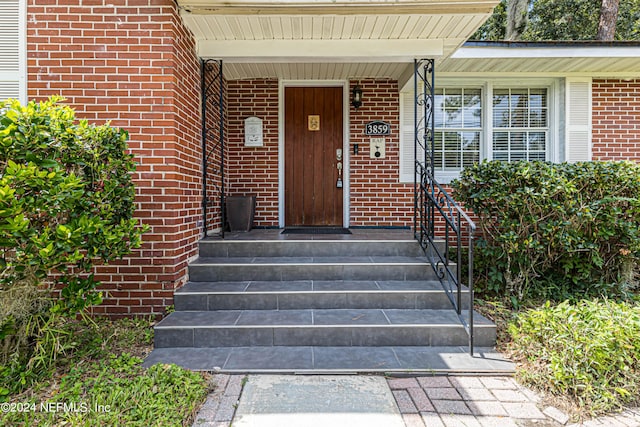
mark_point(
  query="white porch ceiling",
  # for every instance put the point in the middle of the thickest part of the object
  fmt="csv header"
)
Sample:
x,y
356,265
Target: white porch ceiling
x,y
329,39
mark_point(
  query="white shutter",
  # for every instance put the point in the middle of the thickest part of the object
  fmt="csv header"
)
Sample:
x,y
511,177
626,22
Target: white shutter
x,y
578,120
12,49
407,136
407,132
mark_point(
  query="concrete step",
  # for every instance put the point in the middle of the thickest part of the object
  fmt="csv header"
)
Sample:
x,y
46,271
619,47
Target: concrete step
x,y
310,268
337,360
318,327
308,248
312,294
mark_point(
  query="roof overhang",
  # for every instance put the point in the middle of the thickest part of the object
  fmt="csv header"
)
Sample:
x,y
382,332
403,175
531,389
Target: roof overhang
x,y
334,7
361,38
588,58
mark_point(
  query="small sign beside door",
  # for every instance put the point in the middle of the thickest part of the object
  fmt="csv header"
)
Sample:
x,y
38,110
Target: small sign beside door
x,y
314,122
377,127
253,132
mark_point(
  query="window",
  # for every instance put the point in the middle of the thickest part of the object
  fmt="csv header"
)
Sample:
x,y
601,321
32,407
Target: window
x,y
497,120
520,124
458,127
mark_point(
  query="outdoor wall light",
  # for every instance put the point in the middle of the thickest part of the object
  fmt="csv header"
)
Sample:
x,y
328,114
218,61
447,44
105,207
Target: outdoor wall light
x,y
356,96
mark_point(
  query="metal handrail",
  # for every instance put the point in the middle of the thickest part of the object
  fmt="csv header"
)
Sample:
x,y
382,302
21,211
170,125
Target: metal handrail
x,y
458,228
213,141
433,203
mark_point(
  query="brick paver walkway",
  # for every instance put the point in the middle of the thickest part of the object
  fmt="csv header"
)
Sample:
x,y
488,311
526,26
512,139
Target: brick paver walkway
x,y
220,406
463,401
455,401
483,402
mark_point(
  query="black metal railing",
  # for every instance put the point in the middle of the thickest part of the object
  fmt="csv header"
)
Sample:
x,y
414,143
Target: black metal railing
x,y
213,147
435,211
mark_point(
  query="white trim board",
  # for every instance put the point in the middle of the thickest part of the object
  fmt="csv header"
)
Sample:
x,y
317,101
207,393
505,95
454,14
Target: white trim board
x,y
283,51
468,52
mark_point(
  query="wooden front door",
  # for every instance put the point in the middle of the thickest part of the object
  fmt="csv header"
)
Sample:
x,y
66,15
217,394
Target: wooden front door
x,y
313,131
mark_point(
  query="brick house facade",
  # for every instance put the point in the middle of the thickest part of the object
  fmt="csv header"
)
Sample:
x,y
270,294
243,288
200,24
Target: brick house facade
x,y
132,63
251,170
136,63
616,128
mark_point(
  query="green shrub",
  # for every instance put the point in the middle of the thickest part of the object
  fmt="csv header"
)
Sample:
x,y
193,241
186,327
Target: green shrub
x,y
119,392
103,384
589,350
570,229
66,203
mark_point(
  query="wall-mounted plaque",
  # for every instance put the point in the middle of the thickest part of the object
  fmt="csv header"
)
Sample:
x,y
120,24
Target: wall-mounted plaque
x,y
253,132
314,122
377,128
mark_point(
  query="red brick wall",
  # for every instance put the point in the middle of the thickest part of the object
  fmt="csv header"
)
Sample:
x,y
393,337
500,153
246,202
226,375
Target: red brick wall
x,y
254,170
377,196
134,63
616,119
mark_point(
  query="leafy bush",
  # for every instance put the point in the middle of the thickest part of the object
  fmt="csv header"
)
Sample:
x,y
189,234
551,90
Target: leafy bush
x,y
574,228
103,384
588,350
66,203
119,392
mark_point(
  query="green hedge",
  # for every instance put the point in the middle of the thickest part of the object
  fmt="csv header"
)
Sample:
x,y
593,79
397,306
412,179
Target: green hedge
x,y
554,230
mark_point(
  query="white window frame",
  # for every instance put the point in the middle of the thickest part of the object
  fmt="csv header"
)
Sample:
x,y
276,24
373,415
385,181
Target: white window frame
x,y
553,86
523,129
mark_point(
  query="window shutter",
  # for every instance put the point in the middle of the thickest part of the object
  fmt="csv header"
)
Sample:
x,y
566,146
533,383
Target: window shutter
x,y
578,120
407,132
407,136
11,54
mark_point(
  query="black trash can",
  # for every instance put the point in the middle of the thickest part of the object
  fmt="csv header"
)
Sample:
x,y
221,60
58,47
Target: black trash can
x,y
240,212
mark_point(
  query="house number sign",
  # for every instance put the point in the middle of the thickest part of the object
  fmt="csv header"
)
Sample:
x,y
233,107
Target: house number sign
x,y
377,128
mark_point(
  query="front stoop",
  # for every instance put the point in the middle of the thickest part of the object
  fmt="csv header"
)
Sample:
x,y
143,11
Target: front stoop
x,y
304,306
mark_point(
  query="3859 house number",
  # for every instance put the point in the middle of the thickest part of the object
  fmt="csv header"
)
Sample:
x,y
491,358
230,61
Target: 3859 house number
x,y
377,128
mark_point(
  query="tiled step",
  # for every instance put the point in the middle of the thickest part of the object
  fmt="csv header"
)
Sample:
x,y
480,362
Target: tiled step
x,y
308,248
342,360
365,303
316,327
312,294
310,268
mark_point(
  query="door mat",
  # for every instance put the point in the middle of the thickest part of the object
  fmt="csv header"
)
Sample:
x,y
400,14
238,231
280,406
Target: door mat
x,y
315,230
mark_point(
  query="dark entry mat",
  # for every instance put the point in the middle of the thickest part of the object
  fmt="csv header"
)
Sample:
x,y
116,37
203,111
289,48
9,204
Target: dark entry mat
x,y
315,230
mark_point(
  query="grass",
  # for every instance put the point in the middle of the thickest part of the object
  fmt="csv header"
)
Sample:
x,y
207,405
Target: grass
x,y
584,355
588,350
101,383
